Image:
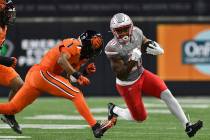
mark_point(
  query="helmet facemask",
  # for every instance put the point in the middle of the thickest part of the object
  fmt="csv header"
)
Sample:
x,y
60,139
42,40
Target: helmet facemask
x,y
123,34
11,16
10,12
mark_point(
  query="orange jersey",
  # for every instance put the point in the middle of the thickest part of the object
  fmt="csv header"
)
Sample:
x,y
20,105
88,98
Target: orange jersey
x,y
70,46
3,32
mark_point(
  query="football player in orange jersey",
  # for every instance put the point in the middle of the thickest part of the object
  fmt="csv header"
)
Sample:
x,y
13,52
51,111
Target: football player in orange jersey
x,y
8,76
67,56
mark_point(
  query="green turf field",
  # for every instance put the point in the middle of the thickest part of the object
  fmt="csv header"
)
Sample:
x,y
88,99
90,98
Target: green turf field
x,y
56,119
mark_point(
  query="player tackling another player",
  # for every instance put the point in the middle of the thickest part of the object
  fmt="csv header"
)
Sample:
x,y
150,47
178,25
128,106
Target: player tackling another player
x,y
8,76
124,52
45,77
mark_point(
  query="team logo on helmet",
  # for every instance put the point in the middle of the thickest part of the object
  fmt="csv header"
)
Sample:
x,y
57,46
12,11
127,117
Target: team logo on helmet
x,y
92,44
96,41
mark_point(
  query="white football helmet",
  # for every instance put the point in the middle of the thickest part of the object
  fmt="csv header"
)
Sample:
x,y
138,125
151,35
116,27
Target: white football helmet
x,y
121,26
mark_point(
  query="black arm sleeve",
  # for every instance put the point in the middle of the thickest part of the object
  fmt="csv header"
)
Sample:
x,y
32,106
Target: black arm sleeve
x,y
6,61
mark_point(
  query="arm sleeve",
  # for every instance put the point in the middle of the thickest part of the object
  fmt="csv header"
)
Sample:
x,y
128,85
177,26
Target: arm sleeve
x,y
4,49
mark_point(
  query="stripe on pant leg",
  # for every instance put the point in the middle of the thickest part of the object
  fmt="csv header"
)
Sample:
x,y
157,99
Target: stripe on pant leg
x,y
61,82
55,85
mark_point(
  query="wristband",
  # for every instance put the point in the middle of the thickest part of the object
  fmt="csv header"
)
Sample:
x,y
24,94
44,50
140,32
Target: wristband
x,y
85,73
76,75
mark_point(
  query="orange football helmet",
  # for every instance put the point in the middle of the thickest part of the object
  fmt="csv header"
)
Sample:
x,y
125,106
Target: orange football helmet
x,y
92,44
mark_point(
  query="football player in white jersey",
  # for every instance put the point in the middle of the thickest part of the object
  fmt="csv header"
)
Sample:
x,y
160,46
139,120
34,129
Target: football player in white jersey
x,y
124,52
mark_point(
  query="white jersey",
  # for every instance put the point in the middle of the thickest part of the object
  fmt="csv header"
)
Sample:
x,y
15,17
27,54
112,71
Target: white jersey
x,y
115,49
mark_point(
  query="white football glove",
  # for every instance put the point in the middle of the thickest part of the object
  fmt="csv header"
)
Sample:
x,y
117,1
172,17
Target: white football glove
x,y
135,55
154,48
72,79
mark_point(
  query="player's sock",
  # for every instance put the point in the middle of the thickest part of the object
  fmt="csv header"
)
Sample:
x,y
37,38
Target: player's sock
x,y
174,107
83,109
123,112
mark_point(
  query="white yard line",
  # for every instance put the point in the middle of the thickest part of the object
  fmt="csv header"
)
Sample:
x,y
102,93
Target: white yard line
x,y
47,126
152,133
78,117
194,100
183,105
153,105
153,108
15,137
158,111
61,117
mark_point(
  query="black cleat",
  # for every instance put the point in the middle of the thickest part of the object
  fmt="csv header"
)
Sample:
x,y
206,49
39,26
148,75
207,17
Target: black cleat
x,y
100,128
10,120
111,115
191,129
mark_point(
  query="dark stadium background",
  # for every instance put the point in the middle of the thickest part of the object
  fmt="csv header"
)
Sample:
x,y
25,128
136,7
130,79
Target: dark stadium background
x,y
58,19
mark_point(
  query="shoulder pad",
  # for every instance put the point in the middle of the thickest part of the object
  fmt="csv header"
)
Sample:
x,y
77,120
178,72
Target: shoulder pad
x,y
71,41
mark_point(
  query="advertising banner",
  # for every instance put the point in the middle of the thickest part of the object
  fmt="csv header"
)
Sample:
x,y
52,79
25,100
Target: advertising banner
x,y
187,52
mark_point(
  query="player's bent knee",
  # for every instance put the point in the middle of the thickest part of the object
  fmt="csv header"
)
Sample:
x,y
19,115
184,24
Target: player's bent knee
x,y
141,117
79,95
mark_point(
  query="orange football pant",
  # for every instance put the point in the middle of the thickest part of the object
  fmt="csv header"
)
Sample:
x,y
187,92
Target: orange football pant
x,y
38,81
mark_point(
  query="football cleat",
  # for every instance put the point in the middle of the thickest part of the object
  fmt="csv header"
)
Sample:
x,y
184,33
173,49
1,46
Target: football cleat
x,y
10,120
101,127
111,115
191,129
